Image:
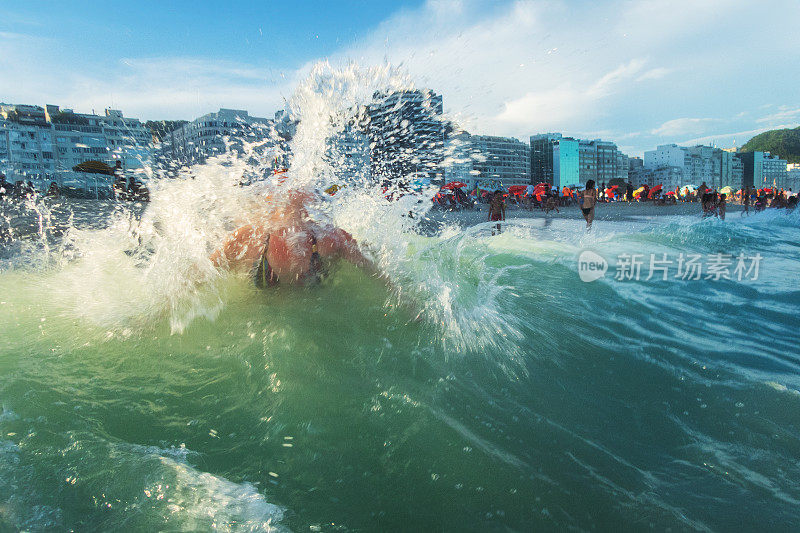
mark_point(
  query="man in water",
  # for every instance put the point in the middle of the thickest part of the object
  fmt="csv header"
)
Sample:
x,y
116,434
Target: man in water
x,y
497,210
289,247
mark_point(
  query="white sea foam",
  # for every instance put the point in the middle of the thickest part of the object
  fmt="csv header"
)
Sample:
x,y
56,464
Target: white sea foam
x,y
202,500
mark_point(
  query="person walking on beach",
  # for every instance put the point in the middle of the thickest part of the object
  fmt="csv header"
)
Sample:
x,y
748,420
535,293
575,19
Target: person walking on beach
x,y
497,210
746,202
589,202
529,197
551,204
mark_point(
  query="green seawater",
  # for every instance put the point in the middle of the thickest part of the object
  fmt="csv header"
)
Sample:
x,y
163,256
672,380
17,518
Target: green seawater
x,y
527,401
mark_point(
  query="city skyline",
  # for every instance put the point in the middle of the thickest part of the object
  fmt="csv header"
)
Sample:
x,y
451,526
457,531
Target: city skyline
x,y
641,74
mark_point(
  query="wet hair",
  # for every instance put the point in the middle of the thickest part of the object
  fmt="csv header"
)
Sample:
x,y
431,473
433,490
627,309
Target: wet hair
x,y
590,184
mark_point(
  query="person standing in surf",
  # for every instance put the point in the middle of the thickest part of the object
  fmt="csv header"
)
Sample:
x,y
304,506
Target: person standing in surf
x,y
497,210
589,202
721,206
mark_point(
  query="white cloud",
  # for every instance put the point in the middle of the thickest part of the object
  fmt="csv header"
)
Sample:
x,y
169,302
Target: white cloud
x,y
737,138
783,114
158,87
510,69
683,126
654,74
616,66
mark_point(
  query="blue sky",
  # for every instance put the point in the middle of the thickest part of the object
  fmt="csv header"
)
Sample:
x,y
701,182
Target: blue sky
x,y
639,73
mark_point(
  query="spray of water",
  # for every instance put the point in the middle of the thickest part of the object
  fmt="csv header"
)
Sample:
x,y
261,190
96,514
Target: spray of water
x,y
144,267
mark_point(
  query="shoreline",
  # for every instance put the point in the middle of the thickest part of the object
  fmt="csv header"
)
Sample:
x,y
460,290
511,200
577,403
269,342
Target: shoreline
x,y
615,211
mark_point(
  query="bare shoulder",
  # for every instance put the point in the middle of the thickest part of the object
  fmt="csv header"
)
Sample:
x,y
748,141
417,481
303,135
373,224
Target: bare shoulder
x,y
334,241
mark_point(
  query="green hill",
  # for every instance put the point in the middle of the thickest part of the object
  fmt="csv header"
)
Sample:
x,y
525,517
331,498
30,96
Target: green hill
x,y
784,143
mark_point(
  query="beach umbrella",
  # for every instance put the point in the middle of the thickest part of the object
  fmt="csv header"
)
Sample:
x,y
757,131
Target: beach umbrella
x,y
94,167
655,190
726,190
517,189
454,185
540,190
671,193
638,192
419,183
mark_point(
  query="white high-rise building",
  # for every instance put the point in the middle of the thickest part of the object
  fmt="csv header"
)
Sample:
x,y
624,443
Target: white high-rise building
x,y
792,177
695,165
486,159
44,144
505,159
215,133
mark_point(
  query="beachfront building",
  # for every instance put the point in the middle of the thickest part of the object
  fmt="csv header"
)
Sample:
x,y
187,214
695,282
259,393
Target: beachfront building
x,y
762,169
486,160
542,162
737,171
792,177
406,134
553,159
216,133
668,156
636,171
505,159
43,144
695,165
461,158
348,153
566,162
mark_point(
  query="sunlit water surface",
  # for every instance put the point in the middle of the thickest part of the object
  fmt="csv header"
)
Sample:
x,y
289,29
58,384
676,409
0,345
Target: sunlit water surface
x,y
484,387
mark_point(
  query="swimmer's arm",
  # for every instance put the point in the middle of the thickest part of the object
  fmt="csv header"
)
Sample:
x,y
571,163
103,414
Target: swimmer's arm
x,y
342,244
234,247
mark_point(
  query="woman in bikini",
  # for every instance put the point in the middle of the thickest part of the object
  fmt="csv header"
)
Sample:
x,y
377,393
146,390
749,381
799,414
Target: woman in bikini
x,y
589,201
